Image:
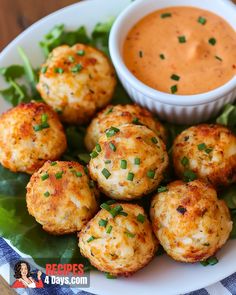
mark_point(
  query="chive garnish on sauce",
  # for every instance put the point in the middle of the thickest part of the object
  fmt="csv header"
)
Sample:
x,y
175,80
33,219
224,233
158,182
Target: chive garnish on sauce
x,y
154,140
212,41
202,20
174,89
58,175
182,39
77,68
129,234
46,194
44,69
165,15
140,53
91,239
219,58
93,155
175,77
151,174
112,131
98,148
162,56
108,231
103,222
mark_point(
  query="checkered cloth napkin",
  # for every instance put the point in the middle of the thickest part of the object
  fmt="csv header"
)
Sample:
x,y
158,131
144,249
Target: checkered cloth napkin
x,y
8,258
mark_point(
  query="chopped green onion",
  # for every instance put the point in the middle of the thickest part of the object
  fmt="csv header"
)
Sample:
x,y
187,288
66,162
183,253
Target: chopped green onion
x,y
78,174
174,89
175,77
44,118
129,234
212,260
108,231
46,194
106,173
98,148
71,58
44,69
189,175
123,213
59,70
116,210
182,39
184,161
123,164
137,161
54,163
112,146
58,175
91,239
212,41
208,150
130,176
162,56
93,155
77,68
219,58
45,176
109,111
107,161
110,202
103,222
151,174
141,218
181,210
140,53
110,276
91,184
165,15
201,20
201,146
154,140
112,131
135,121
105,206
162,189
80,52
86,170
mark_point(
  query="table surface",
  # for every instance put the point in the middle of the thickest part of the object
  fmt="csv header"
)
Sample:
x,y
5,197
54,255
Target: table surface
x,y
17,15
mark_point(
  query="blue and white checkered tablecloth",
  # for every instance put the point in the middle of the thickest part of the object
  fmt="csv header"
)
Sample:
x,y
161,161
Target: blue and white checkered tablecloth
x,y
9,257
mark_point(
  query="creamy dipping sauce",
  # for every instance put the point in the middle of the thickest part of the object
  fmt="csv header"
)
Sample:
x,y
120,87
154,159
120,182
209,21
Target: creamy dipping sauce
x,y
181,50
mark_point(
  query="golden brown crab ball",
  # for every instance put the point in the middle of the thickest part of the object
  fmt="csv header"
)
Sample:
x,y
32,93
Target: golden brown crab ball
x,y
31,134
119,115
76,81
61,197
118,240
189,221
128,162
207,150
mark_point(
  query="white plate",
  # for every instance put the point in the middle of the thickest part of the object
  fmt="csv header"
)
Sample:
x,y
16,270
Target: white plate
x,y
162,276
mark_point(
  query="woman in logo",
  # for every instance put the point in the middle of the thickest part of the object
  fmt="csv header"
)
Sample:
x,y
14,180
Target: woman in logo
x,y
23,278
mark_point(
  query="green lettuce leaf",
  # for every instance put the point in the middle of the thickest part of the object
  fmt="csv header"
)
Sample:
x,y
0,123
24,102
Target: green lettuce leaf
x,y
29,237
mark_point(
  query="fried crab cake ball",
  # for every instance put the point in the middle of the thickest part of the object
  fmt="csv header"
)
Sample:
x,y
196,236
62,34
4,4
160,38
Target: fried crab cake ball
x,y
61,197
207,150
189,221
118,240
128,162
119,115
76,81
30,134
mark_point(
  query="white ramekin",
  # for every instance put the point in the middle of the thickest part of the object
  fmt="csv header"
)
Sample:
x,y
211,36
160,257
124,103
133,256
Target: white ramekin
x,y
180,109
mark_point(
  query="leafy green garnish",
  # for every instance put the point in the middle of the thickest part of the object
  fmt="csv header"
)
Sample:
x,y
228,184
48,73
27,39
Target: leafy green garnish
x,y
29,237
228,116
59,36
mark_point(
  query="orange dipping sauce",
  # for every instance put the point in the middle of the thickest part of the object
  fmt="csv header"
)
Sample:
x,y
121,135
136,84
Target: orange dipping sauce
x,y
181,50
